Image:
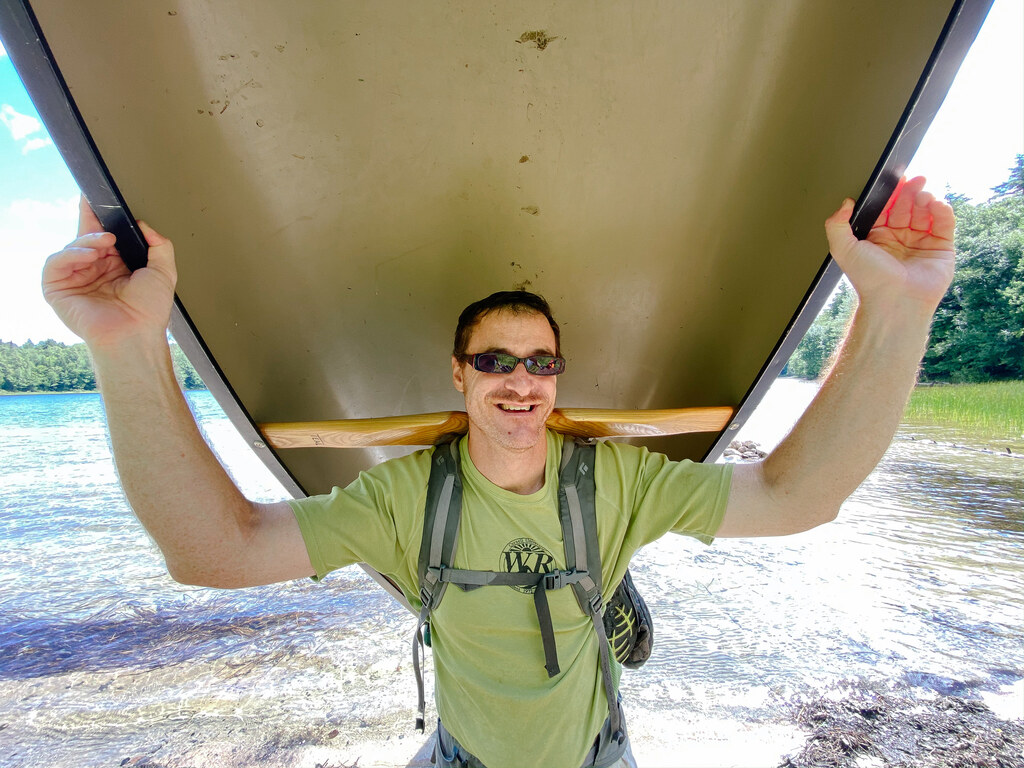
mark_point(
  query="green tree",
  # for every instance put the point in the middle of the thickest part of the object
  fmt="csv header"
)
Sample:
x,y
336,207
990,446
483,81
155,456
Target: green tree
x,y
52,366
1013,185
978,331
20,373
812,355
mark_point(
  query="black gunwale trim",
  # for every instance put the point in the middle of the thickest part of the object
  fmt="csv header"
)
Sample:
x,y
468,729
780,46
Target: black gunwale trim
x,y
25,44
958,34
36,65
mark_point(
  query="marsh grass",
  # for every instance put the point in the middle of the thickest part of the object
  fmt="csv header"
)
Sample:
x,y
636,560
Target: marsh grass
x,y
993,410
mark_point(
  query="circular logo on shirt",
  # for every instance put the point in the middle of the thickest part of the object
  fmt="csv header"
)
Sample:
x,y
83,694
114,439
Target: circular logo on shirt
x,y
525,556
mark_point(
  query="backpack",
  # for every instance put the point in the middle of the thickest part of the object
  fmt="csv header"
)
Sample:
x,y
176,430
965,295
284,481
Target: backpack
x,y
623,626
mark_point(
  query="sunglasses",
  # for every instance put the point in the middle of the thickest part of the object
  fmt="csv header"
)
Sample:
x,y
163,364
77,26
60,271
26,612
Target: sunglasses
x,y
502,362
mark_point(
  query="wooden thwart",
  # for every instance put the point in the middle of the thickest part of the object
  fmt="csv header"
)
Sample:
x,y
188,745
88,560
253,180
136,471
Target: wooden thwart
x,y
432,428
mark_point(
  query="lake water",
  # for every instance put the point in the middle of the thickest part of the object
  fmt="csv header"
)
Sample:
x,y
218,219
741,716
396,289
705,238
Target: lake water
x,y
104,659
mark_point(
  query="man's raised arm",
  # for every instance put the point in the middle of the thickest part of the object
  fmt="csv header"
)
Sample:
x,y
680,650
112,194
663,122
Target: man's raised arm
x,y
900,273
209,533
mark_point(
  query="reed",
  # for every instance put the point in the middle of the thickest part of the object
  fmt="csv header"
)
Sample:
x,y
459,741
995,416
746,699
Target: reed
x,y
994,409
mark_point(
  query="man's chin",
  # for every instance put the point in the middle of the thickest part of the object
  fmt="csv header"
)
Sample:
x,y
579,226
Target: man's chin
x,y
519,438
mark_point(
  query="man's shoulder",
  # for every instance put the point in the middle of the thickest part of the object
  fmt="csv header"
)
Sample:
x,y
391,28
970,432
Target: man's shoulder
x,y
411,468
629,464
612,450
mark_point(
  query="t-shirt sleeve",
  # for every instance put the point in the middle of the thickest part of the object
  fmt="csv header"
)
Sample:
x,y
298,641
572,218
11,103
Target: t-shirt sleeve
x,y
659,495
372,520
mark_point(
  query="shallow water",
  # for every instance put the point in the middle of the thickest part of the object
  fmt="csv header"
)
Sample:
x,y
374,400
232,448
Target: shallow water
x,y
103,658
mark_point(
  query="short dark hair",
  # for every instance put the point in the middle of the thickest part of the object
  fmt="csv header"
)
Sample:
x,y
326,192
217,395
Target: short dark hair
x,y
517,302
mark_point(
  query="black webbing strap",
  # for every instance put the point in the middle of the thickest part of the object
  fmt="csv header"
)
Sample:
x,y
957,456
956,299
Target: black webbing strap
x,y
542,582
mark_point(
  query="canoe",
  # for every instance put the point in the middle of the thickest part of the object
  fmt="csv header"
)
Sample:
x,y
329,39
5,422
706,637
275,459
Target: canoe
x,y
341,179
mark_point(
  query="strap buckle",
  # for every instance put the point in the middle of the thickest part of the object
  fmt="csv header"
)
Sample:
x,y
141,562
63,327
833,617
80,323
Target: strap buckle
x,y
559,579
427,596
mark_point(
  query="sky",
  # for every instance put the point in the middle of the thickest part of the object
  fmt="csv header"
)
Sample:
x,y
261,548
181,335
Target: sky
x,y
969,148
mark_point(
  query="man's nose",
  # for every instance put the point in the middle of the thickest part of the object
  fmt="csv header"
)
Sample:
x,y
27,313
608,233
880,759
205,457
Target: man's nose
x,y
519,381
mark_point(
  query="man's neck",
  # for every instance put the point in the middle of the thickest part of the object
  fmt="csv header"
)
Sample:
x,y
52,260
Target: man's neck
x,y
520,472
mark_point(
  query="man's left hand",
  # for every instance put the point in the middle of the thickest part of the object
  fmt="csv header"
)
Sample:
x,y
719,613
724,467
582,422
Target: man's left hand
x,y
907,257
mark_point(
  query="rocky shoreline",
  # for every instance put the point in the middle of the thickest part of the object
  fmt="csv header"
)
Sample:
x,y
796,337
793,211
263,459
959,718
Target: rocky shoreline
x,y
847,727
865,729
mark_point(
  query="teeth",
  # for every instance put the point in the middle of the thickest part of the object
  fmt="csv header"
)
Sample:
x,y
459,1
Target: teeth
x,y
515,407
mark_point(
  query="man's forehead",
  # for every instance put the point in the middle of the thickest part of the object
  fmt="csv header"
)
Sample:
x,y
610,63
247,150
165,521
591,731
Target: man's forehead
x,y
502,329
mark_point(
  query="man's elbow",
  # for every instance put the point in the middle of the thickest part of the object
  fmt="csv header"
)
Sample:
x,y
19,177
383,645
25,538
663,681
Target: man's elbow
x,y
815,515
800,507
193,576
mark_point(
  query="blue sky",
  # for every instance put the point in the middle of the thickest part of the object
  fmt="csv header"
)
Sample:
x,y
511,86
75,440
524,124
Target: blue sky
x,y
969,148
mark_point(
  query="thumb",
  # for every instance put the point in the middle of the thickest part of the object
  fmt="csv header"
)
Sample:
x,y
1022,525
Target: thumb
x,y
161,251
838,231
153,238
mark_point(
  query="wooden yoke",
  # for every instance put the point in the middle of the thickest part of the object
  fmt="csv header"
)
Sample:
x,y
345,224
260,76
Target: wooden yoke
x,y
432,428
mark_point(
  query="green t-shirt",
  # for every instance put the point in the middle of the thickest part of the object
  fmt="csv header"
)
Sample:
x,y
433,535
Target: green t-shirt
x,y
492,691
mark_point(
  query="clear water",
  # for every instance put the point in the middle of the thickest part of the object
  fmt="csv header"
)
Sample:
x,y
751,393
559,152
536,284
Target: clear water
x,y
103,657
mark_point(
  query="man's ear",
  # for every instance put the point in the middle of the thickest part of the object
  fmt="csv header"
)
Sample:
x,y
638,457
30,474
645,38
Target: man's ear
x,y
457,378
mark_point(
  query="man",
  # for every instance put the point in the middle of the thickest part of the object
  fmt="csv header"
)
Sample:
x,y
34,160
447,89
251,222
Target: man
x,y
492,693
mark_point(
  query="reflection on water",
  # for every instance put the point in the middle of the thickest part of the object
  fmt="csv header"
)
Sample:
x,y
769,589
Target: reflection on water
x,y
917,583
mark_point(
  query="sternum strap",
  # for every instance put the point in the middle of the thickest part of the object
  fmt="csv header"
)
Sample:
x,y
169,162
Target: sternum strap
x,y
542,582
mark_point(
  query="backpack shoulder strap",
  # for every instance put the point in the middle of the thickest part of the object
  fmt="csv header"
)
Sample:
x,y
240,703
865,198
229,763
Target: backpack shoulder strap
x,y
577,510
441,516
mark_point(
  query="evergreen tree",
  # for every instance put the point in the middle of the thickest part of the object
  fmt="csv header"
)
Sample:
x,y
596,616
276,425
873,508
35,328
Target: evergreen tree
x,y
978,331
812,356
1013,185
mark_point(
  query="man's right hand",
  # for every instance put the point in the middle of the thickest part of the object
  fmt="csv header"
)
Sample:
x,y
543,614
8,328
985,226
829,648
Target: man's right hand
x,y
208,532
96,295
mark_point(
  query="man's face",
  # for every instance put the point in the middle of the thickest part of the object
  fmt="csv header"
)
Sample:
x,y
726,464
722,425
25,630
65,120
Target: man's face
x,y
510,409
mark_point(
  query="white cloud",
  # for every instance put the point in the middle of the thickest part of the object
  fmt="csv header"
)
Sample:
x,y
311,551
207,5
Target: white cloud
x,y
21,126
30,230
37,143
2,51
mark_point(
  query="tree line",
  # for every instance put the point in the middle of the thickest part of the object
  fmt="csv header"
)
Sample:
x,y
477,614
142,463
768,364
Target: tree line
x,y
978,331
51,366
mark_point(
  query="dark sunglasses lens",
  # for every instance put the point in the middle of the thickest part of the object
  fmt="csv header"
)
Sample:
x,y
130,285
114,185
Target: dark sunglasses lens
x,y
495,362
545,365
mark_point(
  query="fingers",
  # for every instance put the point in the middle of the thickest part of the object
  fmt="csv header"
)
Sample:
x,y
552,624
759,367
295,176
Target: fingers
x,y
76,266
85,249
913,208
92,236
102,241
901,204
943,219
920,213
883,217
87,221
